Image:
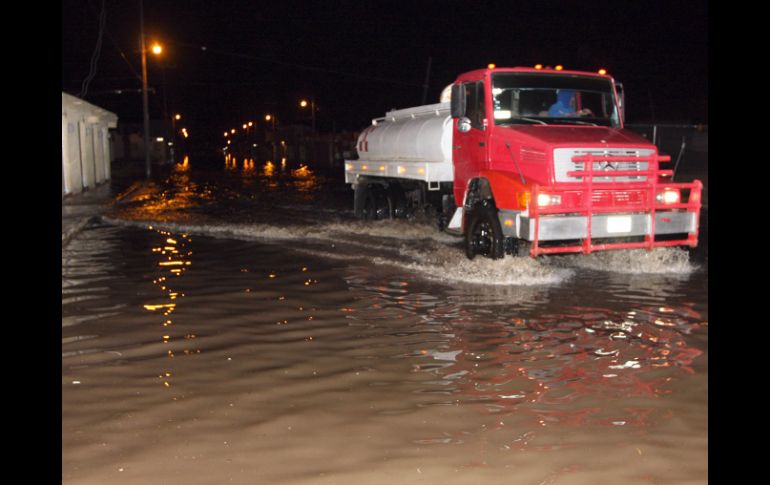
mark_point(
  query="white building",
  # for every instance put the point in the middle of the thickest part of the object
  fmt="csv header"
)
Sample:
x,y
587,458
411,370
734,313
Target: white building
x,y
85,144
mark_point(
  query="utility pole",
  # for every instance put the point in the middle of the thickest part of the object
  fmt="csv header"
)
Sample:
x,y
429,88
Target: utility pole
x,y
145,101
425,86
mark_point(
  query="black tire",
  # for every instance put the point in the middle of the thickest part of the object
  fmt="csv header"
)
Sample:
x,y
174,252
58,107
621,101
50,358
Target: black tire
x,y
483,234
359,200
370,202
397,200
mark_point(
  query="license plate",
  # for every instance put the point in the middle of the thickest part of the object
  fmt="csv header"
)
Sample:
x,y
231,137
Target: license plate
x,y
618,224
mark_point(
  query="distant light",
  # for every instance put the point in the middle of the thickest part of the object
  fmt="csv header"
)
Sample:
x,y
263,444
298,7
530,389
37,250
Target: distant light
x,y
156,49
244,126
226,133
251,123
559,67
538,66
177,117
602,72
491,66
232,131
160,139
268,117
303,103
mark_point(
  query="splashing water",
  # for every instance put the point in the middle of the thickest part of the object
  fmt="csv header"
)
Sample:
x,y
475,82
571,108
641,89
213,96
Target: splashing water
x,y
635,261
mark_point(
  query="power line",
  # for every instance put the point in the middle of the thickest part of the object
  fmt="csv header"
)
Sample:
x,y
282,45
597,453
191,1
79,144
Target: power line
x,y
294,64
95,54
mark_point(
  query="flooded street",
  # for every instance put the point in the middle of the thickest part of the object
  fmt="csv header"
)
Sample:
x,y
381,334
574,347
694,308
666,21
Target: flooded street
x,y
233,323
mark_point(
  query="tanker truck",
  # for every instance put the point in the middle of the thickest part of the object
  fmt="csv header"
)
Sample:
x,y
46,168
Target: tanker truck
x,y
525,161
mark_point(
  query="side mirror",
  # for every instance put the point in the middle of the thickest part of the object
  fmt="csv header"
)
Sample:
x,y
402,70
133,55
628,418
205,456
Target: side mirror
x,y
458,101
621,101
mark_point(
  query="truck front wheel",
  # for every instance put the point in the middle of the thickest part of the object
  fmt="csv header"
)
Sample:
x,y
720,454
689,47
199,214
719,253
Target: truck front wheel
x,y
483,234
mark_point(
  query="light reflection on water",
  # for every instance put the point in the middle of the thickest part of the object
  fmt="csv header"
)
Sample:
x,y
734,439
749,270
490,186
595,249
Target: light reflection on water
x,y
269,350
514,364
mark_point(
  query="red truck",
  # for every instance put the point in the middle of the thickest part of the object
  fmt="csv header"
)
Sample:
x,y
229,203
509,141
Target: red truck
x,y
525,161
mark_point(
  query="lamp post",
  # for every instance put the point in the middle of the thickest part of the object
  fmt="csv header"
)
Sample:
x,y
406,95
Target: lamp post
x,y
271,119
174,119
145,102
304,104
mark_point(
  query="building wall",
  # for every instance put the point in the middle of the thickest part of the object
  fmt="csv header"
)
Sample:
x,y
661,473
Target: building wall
x,y
86,155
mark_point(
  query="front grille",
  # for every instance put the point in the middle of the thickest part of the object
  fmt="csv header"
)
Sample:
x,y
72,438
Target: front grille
x,y
563,164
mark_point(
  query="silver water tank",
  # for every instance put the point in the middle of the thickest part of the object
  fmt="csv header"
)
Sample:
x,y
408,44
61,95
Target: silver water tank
x,y
420,134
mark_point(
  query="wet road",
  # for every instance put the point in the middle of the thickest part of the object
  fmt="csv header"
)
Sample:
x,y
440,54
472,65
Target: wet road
x,y
232,323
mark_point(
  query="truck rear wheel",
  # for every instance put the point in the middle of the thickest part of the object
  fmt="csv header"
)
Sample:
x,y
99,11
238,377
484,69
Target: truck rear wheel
x,y
483,234
397,200
371,202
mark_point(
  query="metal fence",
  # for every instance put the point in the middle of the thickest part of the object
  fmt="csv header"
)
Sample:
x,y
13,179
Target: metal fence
x,y
686,144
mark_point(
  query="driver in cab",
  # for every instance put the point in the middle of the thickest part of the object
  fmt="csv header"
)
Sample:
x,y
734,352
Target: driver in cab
x,y
565,105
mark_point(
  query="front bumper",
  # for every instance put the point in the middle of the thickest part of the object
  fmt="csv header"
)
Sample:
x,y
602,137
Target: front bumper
x,y
566,227
601,214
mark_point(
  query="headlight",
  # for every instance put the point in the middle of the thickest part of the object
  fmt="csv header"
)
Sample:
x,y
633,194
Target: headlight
x,y
544,200
668,196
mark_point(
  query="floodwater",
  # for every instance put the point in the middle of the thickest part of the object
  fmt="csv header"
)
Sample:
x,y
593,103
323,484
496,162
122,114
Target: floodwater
x,y
233,323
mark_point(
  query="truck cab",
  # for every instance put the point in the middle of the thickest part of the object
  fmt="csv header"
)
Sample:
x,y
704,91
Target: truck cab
x,y
543,164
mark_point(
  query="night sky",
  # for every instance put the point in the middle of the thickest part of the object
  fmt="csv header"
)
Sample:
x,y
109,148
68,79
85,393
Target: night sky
x,y
228,61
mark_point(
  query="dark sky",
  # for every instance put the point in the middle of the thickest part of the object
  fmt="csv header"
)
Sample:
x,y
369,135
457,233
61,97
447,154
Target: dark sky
x,y
229,61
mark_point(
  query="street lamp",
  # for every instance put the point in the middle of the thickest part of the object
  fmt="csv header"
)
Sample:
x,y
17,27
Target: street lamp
x,y
304,104
156,49
174,119
271,119
145,102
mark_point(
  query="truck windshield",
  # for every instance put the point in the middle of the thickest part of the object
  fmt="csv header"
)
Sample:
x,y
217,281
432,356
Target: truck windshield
x,y
526,98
